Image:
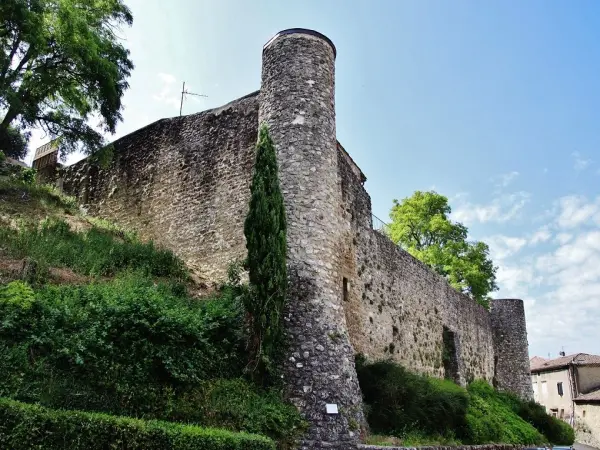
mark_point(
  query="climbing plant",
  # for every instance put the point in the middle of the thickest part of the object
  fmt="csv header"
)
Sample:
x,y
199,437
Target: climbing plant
x,y
265,230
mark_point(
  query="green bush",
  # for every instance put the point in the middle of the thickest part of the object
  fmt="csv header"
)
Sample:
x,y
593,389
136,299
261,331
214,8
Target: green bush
x,y
410,406
97,252
556,431
238,405
116,336
24,426
399,402
130,347
491,419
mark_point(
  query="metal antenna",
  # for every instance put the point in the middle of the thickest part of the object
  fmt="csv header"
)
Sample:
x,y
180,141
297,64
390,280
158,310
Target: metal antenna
x,y
184,92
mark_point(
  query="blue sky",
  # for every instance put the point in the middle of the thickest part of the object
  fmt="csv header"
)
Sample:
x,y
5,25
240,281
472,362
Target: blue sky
x,y
494,104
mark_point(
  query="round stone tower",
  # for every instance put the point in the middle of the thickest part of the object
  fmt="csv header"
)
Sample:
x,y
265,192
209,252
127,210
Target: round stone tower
x,y
297,103
511,360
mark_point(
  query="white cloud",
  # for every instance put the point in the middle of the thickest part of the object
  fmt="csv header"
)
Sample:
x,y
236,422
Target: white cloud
x,y
580,162
505,179
561,285
500,209
502,246
516,280
563,238
575,210
541,235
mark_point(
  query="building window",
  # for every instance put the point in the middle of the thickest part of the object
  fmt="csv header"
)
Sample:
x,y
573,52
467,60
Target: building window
x,y
544,389
554,412
559,388
562,414
584,413
345,289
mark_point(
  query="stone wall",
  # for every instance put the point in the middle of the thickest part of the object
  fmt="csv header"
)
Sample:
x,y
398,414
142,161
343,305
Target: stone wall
x,y
511,347
297,102
183,182
396,307
587,424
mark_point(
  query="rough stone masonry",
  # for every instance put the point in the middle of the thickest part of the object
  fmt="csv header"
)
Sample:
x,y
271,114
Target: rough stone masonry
x,y
185,183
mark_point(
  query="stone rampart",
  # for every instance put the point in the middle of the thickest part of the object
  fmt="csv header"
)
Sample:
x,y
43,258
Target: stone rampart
x,y
397,307
511,347
183,182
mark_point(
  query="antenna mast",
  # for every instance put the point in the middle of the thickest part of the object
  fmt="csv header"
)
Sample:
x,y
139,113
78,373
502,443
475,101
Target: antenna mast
x,y
184,92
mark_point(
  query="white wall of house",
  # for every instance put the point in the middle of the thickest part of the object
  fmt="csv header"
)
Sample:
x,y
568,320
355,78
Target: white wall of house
x,y
546,392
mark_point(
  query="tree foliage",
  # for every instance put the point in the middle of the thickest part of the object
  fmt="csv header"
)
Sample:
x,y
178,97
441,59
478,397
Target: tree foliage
x,y
265,230
14,142
61,63
421,225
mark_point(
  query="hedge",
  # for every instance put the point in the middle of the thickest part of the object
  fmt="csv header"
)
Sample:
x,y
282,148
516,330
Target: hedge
x,y
25,426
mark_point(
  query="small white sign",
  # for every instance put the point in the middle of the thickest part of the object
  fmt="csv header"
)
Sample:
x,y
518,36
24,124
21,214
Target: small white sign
x,y
331,408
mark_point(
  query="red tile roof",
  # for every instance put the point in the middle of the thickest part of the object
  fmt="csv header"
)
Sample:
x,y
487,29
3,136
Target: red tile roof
x,y
538,364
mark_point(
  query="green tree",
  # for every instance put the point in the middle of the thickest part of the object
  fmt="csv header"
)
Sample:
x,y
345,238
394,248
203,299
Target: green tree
x,y
61,63
421,225
265,230
14,142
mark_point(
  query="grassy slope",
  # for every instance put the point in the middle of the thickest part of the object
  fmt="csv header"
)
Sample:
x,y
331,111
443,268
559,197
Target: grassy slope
x,y
408,409
106,278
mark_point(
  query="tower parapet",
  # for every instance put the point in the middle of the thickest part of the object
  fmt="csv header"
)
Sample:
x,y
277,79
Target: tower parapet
x,y
512,372
297,103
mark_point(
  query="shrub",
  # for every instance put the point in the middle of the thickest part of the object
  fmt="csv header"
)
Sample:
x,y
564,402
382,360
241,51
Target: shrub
x,y
422,409
491,419
130,347
26,175
236,404
555,430
24,426
399,402
125,333
94,252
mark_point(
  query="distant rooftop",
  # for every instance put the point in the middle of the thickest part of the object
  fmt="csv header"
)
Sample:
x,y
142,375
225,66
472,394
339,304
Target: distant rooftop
x,y
539,364
593,396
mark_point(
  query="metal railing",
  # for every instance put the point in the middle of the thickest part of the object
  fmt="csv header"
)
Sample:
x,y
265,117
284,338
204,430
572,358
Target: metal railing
x,y
379,225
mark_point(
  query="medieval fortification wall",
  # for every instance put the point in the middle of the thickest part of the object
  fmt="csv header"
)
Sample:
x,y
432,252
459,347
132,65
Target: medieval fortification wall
x,y
184,182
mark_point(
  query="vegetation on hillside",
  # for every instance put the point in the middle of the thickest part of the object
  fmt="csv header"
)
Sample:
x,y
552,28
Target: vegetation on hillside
x,y
121,336
61,62
130,346
96,251
420,410
421,225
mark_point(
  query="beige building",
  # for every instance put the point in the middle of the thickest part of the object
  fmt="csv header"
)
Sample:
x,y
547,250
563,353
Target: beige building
x,y
569,388
587,418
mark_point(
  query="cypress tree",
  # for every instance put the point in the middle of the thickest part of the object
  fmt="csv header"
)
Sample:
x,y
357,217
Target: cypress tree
x,y
265,230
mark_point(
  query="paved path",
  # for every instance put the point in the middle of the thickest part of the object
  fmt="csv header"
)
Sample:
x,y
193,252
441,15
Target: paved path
x,y
577,446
